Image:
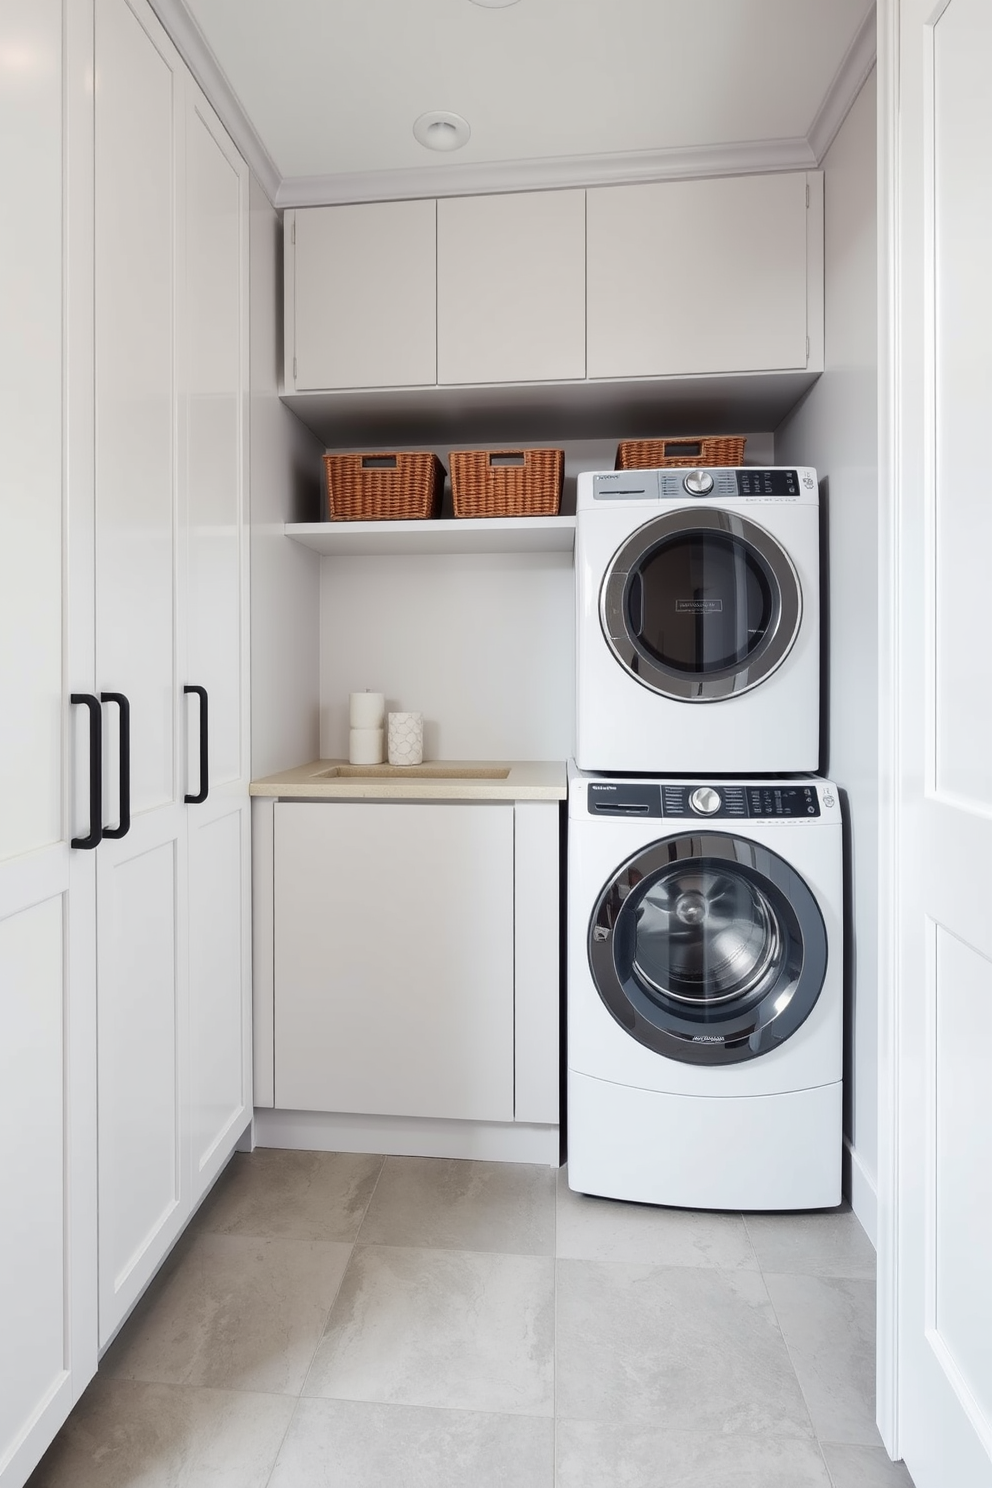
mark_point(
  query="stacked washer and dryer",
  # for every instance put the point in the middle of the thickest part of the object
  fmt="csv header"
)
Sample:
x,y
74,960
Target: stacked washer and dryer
x,y
705,899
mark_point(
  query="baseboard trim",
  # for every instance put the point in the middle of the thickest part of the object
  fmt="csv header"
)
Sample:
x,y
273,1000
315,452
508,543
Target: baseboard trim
x,y
860,1188
400,1136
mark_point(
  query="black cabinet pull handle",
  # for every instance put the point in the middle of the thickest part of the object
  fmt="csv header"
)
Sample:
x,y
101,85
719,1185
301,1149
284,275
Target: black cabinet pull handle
x,y
125,788
96,770
201,692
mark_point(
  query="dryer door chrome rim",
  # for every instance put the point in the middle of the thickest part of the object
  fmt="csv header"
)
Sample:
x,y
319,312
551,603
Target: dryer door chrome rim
x,y
708,948
700,605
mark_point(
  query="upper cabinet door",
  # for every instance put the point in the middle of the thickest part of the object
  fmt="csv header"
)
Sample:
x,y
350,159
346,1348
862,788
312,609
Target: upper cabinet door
x,y
511,288
364,298
694,277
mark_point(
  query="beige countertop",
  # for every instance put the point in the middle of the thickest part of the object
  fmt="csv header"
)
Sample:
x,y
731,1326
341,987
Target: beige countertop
x,y
434,780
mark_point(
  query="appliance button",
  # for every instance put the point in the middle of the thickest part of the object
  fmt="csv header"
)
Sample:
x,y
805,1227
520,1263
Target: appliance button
x,y
698,482
705,800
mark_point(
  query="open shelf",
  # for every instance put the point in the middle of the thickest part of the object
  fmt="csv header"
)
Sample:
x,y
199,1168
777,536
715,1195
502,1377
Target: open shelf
x,y
437,535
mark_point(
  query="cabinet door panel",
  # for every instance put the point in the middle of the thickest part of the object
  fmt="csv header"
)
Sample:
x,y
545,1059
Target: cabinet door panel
x,y
689,277
141,885
34,1280
511,287
220,1103
31,428
216,377
394,959
136,415
366,297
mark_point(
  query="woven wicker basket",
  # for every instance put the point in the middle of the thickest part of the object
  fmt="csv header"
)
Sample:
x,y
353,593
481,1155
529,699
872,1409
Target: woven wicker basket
x,y
651,454
381,488
506,483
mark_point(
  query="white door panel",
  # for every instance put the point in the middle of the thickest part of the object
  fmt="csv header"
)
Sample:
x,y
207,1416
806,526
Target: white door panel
x,y
936,1262
141,887
219,937
34,1280
31,428
135,392
215,381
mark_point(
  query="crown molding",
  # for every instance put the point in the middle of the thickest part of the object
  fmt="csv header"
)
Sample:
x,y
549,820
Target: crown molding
x,y
857,63
450,178
192,46
748,158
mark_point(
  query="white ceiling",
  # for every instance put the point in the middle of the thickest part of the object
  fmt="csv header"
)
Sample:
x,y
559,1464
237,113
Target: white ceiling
x,y
325,92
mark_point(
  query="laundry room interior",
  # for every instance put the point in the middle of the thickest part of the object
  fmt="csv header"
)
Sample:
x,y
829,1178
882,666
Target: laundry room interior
x,y
456,904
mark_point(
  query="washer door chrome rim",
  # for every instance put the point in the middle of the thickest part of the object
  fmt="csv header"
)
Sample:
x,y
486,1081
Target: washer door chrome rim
x,y
708,948
768,564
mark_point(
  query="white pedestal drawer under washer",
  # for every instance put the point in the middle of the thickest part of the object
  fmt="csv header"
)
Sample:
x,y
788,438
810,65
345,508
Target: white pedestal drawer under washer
x,y
705,992
698,621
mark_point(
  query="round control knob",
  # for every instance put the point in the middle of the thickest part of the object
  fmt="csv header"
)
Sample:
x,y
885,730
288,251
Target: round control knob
x,y
698,482
705,800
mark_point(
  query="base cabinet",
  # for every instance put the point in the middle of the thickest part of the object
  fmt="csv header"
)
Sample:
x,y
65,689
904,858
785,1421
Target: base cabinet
x,y
407,975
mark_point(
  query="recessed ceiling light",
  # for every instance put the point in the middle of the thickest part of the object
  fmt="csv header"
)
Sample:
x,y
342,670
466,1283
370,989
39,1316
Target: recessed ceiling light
x,y
440,130
494,4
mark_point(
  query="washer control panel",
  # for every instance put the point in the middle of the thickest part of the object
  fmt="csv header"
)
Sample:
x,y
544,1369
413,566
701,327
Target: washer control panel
x,y
726,482
705,802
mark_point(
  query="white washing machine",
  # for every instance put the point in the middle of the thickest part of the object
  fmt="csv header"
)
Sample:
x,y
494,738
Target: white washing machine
x,y
698,621
705,992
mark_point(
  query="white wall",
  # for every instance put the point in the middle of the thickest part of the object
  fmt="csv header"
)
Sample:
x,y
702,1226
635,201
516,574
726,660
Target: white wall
x,y
835,429
285,577
483,646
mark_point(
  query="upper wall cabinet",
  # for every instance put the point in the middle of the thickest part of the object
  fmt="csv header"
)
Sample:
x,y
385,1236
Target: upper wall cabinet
x,y
556,308
361,296
696,277
511,287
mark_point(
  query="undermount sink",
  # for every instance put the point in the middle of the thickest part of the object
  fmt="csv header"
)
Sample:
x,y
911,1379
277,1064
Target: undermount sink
x,y
437,770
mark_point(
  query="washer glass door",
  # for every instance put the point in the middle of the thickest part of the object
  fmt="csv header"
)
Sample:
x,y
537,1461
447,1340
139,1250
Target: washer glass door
x,y
701,604
708,948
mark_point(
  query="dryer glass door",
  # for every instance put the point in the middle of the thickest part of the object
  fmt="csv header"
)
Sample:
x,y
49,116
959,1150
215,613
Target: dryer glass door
x,y
700,604
708,948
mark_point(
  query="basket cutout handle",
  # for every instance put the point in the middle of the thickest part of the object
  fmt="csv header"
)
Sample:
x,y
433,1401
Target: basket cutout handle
x,y
508,457
689,448
378,462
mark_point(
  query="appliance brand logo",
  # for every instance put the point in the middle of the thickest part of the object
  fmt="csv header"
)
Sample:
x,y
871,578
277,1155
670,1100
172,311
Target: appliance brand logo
x,y
699,607
708,1038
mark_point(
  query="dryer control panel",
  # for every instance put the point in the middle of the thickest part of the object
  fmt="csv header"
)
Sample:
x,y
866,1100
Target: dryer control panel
x,y
704,802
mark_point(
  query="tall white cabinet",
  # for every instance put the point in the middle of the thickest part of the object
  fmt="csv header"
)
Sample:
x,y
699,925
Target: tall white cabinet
x,y
171,628
47,1127
124,963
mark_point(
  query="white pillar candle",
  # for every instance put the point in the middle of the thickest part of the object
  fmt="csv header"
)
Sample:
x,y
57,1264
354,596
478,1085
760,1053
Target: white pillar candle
x,y
367,710
365,746
406,738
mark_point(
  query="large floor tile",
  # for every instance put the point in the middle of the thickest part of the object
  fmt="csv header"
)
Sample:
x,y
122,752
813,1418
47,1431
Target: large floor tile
x,y
448,1204
347,1444
592,1229
592,1454
452,1328
292,1195
829,1326
694,1349
128,1434
864,1467
236,1313
828,1243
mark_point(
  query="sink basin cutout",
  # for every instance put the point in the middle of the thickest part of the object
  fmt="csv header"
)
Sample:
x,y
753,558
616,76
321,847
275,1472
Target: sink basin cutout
x,y
437,770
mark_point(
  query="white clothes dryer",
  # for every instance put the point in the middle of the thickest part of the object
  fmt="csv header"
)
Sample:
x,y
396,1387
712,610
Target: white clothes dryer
x,y
698,621
705,992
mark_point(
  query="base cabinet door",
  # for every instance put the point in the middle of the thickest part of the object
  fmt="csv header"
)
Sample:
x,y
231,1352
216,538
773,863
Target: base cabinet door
x,y
394,959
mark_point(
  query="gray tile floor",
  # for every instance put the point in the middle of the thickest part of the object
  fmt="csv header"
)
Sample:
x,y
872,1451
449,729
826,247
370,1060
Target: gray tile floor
x,y
336,1321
